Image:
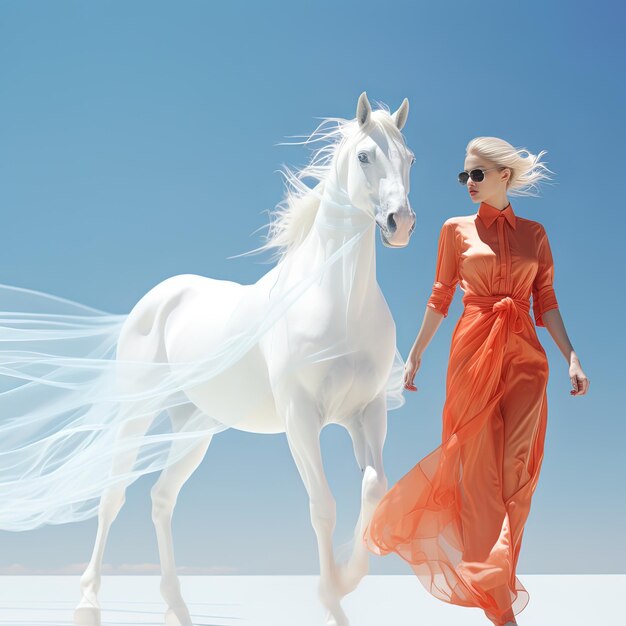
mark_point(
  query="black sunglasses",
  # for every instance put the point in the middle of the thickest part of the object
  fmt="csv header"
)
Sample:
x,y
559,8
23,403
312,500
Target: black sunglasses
x,y
477,175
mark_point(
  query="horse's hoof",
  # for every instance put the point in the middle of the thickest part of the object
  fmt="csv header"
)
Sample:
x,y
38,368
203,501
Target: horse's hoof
x,y
178,617
331,621
87,616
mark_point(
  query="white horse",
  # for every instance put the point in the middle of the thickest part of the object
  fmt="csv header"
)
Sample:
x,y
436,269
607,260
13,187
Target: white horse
x,y
326,358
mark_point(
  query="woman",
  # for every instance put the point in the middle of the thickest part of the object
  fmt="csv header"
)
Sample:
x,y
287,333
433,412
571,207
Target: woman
x,y
458,516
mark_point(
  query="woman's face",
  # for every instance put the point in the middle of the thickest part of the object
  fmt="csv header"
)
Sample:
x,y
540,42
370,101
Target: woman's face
x,y
494,183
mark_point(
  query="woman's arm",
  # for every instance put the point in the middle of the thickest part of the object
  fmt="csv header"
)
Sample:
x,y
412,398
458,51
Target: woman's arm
x,y
430,324
446,279
547,314
554,323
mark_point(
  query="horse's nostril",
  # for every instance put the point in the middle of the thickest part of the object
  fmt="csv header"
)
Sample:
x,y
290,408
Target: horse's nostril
x,y
391,224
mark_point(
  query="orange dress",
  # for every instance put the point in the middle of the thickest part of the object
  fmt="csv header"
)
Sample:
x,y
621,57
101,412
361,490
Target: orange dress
x,y
458,516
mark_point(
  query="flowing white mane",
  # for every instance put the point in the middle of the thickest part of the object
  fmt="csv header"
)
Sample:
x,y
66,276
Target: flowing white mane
x,y
292,218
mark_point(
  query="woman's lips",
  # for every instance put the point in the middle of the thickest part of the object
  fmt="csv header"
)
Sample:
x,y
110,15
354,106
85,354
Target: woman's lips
x,y
473,191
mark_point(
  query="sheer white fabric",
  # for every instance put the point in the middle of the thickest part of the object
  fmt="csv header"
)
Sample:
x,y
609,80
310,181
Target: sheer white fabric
x,y
73,416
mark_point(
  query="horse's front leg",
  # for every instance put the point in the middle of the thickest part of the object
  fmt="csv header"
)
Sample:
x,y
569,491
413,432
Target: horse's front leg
x,y
303,424
368,431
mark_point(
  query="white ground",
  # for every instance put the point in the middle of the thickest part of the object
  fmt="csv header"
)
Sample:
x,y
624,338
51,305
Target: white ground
x,y
291,601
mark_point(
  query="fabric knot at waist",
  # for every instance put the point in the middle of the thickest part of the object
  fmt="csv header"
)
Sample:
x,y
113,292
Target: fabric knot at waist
x,y
507,307
503,317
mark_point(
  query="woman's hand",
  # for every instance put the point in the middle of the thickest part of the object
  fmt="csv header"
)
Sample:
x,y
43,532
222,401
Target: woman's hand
x,y
430,324
580,383
554,323
410,369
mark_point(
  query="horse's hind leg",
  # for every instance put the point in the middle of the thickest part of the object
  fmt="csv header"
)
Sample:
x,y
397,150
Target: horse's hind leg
x,y
87,612
164,495
368,431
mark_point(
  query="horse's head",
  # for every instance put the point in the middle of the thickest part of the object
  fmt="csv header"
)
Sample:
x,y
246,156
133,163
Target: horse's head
x,y
373,166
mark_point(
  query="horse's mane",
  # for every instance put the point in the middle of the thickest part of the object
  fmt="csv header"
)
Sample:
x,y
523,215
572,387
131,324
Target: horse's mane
x,y
292,218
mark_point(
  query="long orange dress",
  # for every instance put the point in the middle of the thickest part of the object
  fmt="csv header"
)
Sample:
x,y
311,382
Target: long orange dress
x,y
458,516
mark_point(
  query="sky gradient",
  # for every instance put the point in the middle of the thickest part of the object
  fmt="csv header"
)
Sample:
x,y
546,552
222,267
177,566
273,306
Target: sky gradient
x,y
139,141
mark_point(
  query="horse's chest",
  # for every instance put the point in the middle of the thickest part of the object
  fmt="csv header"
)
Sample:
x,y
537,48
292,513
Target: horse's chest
x,y
322,324
339,357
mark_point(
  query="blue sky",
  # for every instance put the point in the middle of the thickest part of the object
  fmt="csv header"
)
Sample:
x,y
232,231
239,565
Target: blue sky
x,y
139,141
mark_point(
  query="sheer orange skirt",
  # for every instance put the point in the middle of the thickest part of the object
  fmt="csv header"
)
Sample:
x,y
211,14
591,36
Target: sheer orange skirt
x,y
457,517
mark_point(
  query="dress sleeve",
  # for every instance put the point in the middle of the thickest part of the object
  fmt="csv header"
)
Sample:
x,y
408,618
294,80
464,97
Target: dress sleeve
x,y
446,274
544,298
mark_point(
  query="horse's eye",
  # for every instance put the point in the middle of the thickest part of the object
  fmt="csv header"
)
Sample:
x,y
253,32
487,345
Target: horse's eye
x,y
412,160
363,157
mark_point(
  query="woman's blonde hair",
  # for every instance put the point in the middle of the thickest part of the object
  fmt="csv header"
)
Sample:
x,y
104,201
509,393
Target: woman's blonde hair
x,y
526,168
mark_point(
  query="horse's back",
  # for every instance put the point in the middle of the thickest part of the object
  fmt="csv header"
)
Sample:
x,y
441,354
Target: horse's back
x,y
212,323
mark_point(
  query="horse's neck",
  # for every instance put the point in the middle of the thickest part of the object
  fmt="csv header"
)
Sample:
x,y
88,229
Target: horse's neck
x,y
344,229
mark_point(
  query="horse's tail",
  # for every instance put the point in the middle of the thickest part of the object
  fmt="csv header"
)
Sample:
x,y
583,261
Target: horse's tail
x,y
80,391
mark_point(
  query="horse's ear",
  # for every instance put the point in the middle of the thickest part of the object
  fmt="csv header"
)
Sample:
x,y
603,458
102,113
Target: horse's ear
x,y
399,117
363,110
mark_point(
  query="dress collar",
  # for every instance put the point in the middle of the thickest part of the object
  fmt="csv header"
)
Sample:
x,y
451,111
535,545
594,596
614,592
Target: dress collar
x,y
489,214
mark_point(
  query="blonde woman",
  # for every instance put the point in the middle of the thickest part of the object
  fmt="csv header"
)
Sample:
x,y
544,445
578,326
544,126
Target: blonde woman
x,y
458,516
